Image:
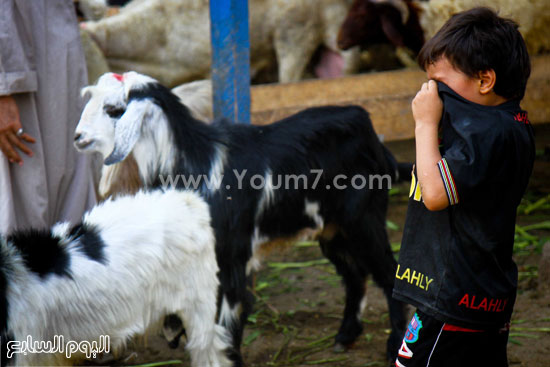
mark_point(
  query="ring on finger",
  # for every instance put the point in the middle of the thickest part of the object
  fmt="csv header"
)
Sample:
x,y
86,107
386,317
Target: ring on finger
x,y
19,132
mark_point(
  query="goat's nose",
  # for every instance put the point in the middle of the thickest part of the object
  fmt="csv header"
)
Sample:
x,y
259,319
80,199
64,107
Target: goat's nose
x,y
77,136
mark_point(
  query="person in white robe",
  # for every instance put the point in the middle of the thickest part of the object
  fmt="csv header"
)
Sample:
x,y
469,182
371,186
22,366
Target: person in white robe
x,y
43,179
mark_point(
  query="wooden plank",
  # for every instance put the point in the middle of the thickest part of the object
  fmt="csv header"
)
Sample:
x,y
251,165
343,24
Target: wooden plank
x,y
230,59
386,95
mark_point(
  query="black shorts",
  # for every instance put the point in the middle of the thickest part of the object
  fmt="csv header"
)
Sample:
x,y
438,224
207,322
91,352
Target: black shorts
x,y
429,342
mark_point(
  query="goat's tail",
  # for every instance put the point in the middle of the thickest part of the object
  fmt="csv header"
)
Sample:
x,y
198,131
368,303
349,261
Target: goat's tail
x,y
399,171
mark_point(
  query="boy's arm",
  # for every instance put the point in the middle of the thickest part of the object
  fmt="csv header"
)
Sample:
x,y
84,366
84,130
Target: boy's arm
x,y
427,109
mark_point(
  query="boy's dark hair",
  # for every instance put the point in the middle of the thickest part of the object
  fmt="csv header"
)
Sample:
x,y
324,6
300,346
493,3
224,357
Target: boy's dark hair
x,y
477,40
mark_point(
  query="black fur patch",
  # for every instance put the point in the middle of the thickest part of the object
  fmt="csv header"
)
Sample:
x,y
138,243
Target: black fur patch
x,y
89,242
42,253
4,340
3,304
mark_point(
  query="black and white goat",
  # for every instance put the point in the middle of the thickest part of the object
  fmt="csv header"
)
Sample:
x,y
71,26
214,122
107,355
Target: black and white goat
x,y
261,195
129,263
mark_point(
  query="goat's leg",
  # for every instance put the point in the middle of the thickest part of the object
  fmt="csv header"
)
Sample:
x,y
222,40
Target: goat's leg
x,y
236,305
294,48
229,319
351,327
354,278
207,342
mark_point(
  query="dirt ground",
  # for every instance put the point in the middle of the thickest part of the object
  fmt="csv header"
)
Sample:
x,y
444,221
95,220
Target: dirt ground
x,y
300,300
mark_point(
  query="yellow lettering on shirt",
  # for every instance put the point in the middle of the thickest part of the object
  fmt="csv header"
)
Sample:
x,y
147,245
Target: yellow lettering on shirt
x,y
414,277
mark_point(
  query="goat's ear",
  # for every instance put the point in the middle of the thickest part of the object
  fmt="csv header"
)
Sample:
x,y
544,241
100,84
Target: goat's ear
x,y
86,91
128,130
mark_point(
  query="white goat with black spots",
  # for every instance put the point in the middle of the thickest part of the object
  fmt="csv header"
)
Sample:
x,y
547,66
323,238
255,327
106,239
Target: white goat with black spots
x,y
129,263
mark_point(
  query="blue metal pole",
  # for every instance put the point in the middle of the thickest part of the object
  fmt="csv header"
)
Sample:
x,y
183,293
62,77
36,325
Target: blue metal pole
x,y
230,59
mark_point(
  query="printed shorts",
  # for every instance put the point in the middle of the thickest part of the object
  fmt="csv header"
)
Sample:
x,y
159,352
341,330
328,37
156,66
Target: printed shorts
x,y
432,343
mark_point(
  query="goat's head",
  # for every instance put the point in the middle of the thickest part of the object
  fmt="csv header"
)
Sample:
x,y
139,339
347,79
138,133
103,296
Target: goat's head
x,y
373,21
111,122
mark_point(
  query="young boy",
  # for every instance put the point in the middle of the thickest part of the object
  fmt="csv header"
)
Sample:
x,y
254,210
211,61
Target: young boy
x,y
455,264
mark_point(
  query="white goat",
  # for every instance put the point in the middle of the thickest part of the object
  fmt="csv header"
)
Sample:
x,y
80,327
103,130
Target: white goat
x,y
129,263
170,39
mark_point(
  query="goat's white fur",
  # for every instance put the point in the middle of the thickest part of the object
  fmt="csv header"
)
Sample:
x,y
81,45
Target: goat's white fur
x,y
229,314
170,39
160,258
255,261
217,171
196,95
99,134
312,210
93,9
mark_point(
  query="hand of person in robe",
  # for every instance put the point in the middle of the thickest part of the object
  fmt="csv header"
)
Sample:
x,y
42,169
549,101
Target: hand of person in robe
x,y
12,136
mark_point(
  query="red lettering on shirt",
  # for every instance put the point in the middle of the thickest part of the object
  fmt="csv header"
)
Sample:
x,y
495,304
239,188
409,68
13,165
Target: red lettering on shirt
x,y
486,304
465,300
493,303
522,117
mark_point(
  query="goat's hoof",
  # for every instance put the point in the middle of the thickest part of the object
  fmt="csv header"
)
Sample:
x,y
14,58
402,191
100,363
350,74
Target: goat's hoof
x,y
174,343
339,348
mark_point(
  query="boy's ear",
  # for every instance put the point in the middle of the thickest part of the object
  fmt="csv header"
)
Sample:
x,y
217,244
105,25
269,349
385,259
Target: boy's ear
x,y
487,80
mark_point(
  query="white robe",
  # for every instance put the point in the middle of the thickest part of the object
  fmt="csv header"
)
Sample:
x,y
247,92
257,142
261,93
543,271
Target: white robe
x,y
42,65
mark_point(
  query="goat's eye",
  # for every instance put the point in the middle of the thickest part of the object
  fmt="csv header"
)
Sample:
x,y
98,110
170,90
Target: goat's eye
x,y
114,111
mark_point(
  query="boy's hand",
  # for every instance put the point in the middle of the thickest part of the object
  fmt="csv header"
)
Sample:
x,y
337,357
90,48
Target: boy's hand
x,y
427,107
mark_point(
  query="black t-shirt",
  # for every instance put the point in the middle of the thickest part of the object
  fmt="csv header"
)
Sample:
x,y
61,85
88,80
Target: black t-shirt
x,y
456,264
